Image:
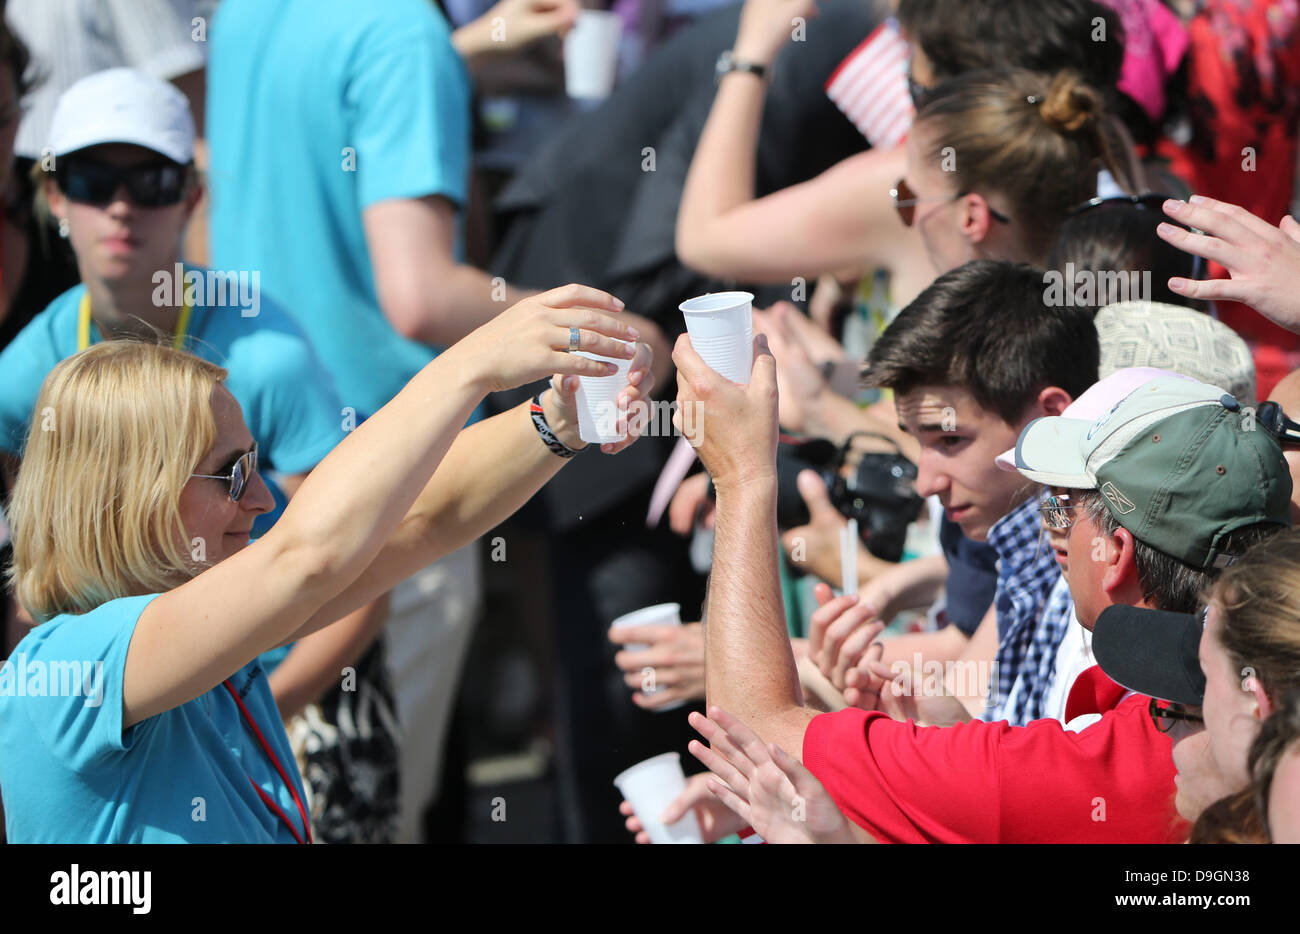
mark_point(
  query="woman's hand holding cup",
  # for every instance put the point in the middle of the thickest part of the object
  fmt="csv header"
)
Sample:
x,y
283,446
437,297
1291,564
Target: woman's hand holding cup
x,y
531,339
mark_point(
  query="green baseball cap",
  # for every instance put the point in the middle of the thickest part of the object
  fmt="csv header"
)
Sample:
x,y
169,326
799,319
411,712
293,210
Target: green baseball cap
x,y
1179,463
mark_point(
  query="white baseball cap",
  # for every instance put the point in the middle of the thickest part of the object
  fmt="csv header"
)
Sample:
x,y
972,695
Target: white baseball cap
x,y
1100,398
123,105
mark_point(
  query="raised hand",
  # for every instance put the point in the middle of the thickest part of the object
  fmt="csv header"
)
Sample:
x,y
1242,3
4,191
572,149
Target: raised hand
x,y
530,340
767,25
561,403
1262,260
768,790
732,427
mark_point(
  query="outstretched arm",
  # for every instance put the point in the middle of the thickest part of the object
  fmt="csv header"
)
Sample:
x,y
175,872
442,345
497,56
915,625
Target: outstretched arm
x,y
842,221
749,666
191,638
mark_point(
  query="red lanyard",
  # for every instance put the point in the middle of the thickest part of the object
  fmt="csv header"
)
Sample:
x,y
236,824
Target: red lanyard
x,y
261,792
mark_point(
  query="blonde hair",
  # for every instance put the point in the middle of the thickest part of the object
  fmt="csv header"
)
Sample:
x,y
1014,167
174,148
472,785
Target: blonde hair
x,y
1037,141
95,513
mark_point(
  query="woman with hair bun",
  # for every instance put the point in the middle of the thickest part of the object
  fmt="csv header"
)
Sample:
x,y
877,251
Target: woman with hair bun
x,y
997,159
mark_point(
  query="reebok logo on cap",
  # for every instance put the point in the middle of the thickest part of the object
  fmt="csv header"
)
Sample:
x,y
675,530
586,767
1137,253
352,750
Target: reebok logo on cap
x,y
1118,501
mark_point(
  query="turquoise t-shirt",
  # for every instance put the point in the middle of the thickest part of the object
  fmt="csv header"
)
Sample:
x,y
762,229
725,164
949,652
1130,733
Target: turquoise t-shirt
x,y
316,110
288,397
69,774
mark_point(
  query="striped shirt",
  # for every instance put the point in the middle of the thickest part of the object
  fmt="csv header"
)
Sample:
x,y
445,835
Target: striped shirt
x,y
70,39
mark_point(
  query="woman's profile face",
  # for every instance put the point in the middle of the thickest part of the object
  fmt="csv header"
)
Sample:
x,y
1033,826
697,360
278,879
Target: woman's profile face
x,y
1212,763
215,527
937,217
121,241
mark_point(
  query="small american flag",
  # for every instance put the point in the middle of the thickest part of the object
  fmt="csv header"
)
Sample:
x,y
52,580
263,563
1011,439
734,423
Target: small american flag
x,y
870,87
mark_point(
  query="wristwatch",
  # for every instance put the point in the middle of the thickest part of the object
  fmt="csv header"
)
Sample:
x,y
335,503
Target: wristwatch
x,y
727,64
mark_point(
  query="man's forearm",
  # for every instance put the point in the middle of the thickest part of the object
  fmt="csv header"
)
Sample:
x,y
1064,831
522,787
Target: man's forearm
x,y
461,299
749,667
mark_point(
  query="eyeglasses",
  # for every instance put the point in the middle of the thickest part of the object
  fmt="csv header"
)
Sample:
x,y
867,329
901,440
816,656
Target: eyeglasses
x,y
1164,718
240,473
154,185
1056,512
905,202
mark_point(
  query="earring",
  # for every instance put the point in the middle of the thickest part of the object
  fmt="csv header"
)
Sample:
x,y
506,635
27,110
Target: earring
x,y
64,227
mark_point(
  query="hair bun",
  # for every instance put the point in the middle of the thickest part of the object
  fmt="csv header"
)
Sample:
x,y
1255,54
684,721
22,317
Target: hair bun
x,y
1070,104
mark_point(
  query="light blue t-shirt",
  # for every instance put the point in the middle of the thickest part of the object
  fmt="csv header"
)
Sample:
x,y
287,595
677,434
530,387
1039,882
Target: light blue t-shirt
x,y
318,109
287,395
69,774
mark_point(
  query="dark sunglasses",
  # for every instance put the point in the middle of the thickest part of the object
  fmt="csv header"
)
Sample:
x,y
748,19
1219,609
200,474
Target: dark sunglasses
x,y
905,202
240,473
153,185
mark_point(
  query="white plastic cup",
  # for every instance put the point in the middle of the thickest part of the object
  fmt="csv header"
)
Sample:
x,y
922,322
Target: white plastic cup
x,y
591,54
721,325
661,614
651,786
598,401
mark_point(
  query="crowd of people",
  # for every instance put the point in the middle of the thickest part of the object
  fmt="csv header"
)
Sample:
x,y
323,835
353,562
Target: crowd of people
x,y
276,358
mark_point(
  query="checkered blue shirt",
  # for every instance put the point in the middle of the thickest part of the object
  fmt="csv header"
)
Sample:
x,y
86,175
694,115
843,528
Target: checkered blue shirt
x,y
1030,627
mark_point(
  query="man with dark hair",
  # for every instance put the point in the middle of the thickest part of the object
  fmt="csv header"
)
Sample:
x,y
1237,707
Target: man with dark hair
x,y
975,358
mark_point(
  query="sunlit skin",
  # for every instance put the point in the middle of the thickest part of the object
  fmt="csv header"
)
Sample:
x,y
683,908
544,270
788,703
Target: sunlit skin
x,y
959,441
955,230
1213,763
206,510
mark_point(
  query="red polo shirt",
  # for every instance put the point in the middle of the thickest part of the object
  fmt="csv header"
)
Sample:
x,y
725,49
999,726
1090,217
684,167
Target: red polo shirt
x,y
994,783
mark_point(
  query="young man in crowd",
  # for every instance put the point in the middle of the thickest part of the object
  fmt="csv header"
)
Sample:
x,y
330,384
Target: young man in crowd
x,y
1179,473
973,360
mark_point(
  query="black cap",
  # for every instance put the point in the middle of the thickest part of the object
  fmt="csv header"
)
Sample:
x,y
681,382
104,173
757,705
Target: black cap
x,y
1151,652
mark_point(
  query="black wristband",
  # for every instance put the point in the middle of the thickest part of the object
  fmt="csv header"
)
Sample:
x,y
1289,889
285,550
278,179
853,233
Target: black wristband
x,y
553,444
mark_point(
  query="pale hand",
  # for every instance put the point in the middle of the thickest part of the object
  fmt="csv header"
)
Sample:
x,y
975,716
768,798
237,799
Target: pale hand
x,y
675,659
1262,260
529,340
716,820
768,790
734,427
815,547
767,25
841,630
560,403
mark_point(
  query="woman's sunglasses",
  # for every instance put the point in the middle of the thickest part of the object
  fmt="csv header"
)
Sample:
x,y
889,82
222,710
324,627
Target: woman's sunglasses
x,y
240,473
154,185
905,202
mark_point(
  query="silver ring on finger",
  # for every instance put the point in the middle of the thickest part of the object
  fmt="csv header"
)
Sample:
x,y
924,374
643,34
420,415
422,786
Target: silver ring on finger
x,y
575,336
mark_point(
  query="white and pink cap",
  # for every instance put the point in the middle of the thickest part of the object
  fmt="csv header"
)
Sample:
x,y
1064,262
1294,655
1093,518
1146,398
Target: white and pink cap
x,y
1100,398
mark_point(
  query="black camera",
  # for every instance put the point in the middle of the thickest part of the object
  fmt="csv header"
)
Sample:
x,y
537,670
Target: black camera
x,y
879,491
